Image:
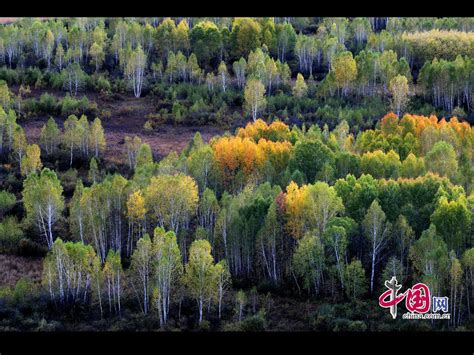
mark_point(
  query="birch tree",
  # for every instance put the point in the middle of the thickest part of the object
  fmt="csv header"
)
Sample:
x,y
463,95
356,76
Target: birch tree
x,y
97,137
76,213
50,136
199,273
113,276
269,240
308,261
133,146
19,144
141,271
399,89
240,68
68,272
135,69
376,230
335,237
43,201
223,75
172,200
73,77
136,212
222,275
167,270
31,162
254,95
72,135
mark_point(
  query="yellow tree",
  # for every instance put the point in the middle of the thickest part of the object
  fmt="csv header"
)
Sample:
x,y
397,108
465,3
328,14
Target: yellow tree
x,y
136,212
254,95
300,88
31,162
344,69
399,89
172,200
19,143
199,274
310,207
97,137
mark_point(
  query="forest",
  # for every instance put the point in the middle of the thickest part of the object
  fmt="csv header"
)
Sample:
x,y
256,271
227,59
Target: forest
x,y
234,174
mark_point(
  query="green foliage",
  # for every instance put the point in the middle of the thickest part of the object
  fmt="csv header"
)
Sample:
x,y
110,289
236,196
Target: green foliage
x,y
7,201
310,156
10,235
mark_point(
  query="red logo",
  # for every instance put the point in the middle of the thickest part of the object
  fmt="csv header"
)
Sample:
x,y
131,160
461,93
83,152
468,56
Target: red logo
x,y
417,298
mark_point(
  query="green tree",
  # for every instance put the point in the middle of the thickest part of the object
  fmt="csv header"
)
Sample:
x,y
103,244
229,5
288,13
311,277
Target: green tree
x,y
73,78
19,144
376,229
308,261
50,136
113,277
144,155
309,157
336,238
224,281
453,222
399,89
43,201
5,95
441,159
7,201
223,75
412,166
429,255
141,269
247,35
344,69
300,89
69,271
71,135
97,55
94,172
31,162
356,283
167,270
199,273
134,69
395,268
97,137
241,299
254,95
404,236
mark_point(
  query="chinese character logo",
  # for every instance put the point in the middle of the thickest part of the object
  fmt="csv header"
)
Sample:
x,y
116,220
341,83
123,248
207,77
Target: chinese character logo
x,y
440,304
417,298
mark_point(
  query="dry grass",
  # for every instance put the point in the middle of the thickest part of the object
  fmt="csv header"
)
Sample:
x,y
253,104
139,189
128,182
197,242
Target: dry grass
x,y
12,268
128,116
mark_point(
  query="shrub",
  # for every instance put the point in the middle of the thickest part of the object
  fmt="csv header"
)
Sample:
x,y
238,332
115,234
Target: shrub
x,y
101,84
148,126
11,76
357,326
56,80
7,201
23,289
68,180
32,76
47,104
255,323
10,235
70,105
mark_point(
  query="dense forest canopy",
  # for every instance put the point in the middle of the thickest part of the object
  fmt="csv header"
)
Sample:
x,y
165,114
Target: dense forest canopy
x,y
344,157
